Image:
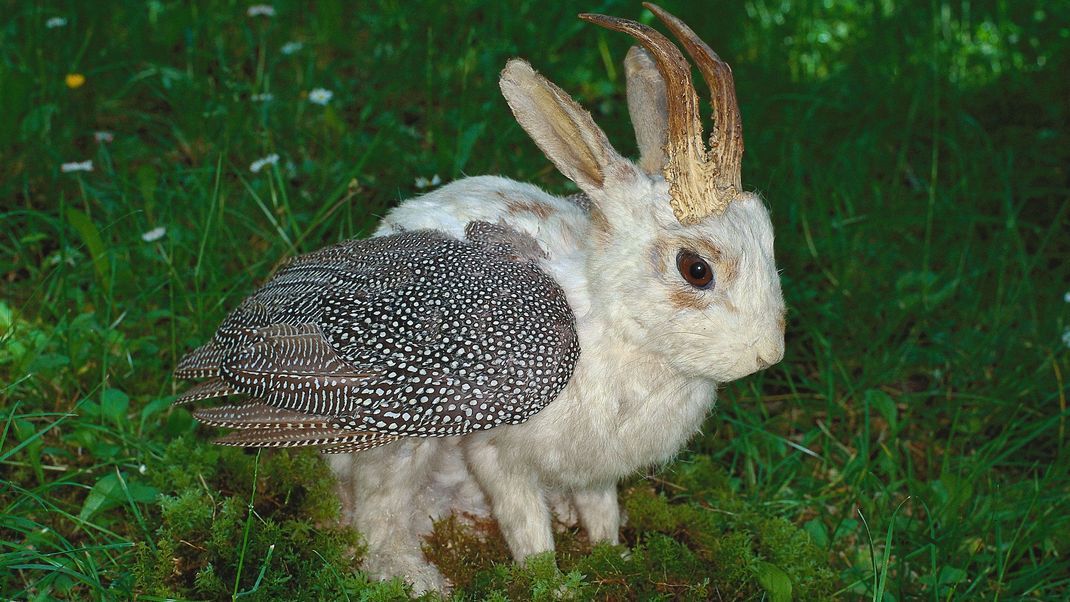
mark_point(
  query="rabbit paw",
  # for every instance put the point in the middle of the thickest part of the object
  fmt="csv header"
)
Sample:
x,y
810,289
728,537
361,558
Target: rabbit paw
x,y
427,579
414,570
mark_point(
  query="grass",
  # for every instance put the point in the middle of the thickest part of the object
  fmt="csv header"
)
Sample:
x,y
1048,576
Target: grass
x,y
912,445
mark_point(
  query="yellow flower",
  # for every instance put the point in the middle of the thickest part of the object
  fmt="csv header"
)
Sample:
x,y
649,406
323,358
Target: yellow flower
x,y
75,80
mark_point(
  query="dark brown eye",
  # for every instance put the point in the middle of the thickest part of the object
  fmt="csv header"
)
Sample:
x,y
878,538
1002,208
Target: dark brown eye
x,y
694,269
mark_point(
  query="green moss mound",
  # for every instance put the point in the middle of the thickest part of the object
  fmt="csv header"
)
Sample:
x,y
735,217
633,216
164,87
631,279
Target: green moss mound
x,y
288,543
712,544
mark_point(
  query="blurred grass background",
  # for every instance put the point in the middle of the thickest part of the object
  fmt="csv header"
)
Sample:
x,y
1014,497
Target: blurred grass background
x,y
915,159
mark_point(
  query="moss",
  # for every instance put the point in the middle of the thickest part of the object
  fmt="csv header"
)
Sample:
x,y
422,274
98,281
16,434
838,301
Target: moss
x,y
462,549
722,536
538,578
295,549
689,535
713,545
792,549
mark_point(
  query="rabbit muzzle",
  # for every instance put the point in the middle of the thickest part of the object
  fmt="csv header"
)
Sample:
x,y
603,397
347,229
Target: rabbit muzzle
x,y
766,350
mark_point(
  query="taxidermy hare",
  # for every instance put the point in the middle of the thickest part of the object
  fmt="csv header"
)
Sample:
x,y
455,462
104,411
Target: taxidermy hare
x,y
496,349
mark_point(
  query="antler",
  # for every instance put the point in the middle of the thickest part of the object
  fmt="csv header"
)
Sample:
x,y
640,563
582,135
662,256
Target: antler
x,y
701,182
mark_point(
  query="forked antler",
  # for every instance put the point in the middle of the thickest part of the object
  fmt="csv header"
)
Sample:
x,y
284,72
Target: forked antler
x,y
701,181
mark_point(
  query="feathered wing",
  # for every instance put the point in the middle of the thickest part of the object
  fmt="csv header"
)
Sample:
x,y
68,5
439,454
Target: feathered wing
x,y
414,334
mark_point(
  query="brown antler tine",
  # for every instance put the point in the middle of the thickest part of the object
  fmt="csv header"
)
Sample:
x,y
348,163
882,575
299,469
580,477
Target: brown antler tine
x,y
726,139
685,149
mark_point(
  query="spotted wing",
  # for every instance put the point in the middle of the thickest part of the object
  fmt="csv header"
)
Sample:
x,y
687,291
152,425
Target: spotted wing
x,y
414,334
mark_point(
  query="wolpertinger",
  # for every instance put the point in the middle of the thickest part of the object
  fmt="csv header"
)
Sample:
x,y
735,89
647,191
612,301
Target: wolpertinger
x,y
662,272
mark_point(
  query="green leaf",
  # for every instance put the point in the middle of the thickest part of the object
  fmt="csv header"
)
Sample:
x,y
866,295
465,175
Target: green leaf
x,y
774,581
818,532
108,493
114,404
153,408
90,235
179,422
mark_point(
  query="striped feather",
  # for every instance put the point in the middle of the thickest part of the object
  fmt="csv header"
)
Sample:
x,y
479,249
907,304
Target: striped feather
x,y
348,448
215,387
260,416
294,367
302,438
202,362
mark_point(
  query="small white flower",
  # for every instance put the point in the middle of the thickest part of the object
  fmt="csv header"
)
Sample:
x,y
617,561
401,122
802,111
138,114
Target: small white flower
x,y
320,96
1066,337
67,255
422,182
103,136
261,10
142,469
55,22
77,166
291,47
1066,296
265,97
259,164
154,235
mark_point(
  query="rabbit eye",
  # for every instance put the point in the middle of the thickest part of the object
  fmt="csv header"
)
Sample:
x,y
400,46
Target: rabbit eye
x,y
694,269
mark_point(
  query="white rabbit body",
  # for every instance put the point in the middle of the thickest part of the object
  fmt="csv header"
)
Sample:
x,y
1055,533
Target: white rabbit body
x,y
653,345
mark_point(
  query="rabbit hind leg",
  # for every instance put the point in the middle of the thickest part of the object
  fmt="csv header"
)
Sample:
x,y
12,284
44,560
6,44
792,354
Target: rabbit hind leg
x,y
381,494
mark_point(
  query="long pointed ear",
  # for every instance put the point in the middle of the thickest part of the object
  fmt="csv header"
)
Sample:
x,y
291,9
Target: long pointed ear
x,y
564,132
649,109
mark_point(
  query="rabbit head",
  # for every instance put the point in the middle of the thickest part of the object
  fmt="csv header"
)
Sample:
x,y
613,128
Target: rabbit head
x,y
680,258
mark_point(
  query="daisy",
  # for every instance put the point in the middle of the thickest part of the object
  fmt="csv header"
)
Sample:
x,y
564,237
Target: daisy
x,y
320,96
77,166
291,47
55,22
422,182
259,164
154,234
261,10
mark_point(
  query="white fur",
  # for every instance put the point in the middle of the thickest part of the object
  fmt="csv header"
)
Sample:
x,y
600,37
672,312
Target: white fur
x,y
646,378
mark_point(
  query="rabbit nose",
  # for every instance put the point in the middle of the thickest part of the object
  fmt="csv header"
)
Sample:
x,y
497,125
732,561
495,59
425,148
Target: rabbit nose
x,y
769,357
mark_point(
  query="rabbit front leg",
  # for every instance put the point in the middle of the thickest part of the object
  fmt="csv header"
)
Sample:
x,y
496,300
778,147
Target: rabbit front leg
x,y
517,501
599,513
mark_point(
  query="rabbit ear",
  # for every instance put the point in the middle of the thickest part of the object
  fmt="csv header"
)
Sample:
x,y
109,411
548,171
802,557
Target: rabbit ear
x,y
561,128
649,109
